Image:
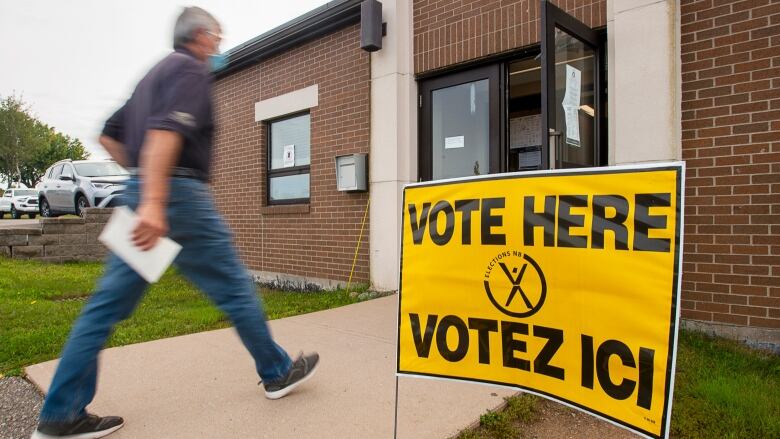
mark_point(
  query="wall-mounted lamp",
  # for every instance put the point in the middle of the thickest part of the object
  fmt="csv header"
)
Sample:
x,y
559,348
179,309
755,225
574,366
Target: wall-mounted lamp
x,y
371,26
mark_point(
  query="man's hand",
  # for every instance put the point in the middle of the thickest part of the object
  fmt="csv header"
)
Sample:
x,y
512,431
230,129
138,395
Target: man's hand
x,y
152,225
158,156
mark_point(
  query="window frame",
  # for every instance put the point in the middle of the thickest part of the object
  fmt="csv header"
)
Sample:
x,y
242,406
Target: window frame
x,y
284,172
553,18
493,73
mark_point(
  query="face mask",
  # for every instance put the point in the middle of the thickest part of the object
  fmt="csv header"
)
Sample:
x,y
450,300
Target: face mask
x,y
217,61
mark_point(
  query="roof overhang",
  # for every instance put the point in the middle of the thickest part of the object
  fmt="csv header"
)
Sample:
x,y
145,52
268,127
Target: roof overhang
x,y
323,20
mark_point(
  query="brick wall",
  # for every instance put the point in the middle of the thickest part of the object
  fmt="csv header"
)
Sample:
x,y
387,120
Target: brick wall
x,y
318,239
58,239
448,32
731,144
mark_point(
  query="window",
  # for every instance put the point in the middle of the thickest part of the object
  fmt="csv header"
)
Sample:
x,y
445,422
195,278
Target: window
x,y
102,169
67,171
289,157
524,114
57,171
461,124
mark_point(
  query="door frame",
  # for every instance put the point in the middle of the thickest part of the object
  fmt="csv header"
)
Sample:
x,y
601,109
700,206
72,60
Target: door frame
x,y
494,73
553,17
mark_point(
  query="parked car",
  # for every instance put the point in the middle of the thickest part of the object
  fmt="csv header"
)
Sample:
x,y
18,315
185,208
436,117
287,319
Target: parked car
x,y
71,186
19,202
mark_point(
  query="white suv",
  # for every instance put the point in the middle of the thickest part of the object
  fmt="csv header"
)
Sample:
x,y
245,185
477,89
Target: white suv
x,y
19,202
71,186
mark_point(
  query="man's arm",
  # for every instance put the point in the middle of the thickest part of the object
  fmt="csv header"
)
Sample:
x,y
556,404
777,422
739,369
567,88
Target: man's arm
x,y
115,149
159,155
111,137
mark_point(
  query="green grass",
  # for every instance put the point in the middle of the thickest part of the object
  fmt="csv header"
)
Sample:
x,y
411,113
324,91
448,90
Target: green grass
x,y
39,302
722,390
725,390
506,422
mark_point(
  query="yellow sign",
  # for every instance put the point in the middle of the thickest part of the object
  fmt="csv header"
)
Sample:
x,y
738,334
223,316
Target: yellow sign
x,y
564,284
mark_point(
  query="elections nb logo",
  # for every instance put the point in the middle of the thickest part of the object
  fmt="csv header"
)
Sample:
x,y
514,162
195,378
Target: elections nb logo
x,y
515,284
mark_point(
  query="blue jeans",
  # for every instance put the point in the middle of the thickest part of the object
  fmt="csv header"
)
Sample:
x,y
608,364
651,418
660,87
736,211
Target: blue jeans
x,y
208,258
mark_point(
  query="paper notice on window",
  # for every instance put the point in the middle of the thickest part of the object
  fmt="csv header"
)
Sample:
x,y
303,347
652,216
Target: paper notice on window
x,y
289,156
529,158
572,126
525,131
150,264
454,142
571,105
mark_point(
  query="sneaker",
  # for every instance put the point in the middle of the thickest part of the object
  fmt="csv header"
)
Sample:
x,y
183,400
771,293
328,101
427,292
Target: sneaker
x,y
302,369
88,427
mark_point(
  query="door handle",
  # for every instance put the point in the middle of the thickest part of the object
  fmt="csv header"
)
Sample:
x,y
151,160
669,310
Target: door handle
x,y
554,152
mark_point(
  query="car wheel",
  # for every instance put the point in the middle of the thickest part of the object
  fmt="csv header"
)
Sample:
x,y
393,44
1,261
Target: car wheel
x,y
45,209
31,215
15,213
81,204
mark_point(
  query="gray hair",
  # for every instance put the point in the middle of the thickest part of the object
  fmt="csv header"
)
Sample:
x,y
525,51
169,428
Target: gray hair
x,y
191,20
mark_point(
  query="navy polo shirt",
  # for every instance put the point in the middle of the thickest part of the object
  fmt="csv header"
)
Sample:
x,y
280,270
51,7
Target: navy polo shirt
x,y
175,95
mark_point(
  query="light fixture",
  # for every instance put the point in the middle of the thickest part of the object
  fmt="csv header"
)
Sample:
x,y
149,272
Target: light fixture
x,y
371,26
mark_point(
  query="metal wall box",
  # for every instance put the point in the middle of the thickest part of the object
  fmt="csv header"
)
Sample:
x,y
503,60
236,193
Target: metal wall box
x,y
351,173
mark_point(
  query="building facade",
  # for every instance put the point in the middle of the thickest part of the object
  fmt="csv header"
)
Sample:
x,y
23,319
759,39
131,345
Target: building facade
x,y
660,81
319,88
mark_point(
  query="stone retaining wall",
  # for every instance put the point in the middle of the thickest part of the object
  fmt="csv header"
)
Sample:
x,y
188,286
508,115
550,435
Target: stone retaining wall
x,y
58,239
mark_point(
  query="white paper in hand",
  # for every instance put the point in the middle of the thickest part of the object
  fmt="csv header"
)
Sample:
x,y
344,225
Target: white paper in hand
x,y
150,264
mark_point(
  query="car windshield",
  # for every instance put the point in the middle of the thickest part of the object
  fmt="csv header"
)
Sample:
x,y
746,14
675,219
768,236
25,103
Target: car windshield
x,y
103,169
19,193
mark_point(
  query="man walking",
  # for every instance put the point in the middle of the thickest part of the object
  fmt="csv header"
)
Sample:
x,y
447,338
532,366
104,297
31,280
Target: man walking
x,y
164,135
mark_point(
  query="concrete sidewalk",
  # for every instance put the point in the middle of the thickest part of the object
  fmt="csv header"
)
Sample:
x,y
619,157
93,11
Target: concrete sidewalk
x,y
204,385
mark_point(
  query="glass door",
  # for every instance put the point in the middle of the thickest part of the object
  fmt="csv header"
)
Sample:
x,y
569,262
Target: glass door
x,y
571,103
460,125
